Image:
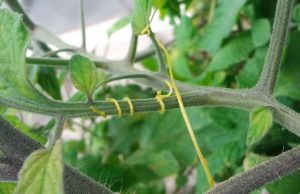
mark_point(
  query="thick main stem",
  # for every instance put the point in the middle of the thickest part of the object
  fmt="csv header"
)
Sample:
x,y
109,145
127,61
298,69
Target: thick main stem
x,y
260,175
17,147
273,59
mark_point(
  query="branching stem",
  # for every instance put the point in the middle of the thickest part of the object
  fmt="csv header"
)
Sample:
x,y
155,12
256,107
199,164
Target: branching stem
x,y
273,59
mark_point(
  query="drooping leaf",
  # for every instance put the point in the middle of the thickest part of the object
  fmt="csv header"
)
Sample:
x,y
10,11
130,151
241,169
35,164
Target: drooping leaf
x,y
14,85
42,172
140,16
261,32
221,25
260,122
118,25
235,51
249,75
83,74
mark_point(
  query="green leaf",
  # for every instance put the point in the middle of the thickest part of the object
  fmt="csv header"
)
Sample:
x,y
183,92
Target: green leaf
x,y
3,109
15,89
261,32
150,63
158,3
77,97
235,51
296,13
42,172
118,25
253,159
260,122
288,184
249,75
7,188
140,16
221,25
287,84
163,163
83,74
181,66
185,35
48,80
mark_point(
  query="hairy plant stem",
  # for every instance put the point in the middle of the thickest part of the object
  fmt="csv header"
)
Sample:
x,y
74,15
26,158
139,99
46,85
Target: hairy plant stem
x,y
160,58
57,132
16,147
269,75
261,174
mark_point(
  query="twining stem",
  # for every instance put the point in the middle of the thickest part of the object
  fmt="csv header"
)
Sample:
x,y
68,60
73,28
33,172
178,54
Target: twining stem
x,y
268,78
82,21
184,114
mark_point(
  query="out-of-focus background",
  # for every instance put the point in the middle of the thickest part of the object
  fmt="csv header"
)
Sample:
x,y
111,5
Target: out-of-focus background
x,y
63,19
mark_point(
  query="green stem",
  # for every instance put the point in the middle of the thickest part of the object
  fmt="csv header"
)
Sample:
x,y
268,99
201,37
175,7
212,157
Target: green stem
x,y
273,59
159,53
132,49
57,132
56,62
54,53
82,21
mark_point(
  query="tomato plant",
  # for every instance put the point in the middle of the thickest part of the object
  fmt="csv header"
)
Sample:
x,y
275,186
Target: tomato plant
x,y
214,111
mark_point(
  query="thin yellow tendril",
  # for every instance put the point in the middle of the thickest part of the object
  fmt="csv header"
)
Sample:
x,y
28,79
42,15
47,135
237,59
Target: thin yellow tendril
x,y
117,105
186,119
95,110
146,30
160,98
130,105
